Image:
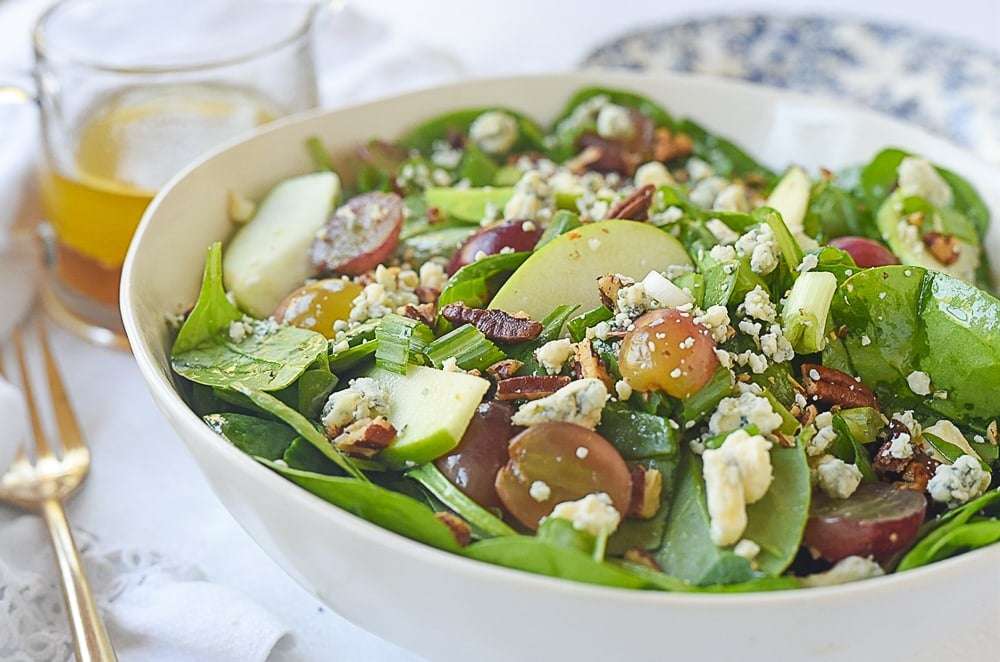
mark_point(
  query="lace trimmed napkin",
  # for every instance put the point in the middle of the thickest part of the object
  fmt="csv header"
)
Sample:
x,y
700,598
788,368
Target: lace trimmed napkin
x,y
155,609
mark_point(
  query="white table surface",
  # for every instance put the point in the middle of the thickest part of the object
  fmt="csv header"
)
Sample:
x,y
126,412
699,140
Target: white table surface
x,y
146,491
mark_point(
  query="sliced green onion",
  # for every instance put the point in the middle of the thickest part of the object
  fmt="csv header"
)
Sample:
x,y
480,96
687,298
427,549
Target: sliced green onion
x,y
469,347
400,342
804,316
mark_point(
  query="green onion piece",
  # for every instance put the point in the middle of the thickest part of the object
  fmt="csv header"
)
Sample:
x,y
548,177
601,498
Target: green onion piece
x,y
478,517
467,344
400,341
705,400
320,157
804,316
864,423
789,247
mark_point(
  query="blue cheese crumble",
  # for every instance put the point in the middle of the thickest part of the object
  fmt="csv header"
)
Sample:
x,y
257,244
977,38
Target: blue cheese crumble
x,y
958,483
581,402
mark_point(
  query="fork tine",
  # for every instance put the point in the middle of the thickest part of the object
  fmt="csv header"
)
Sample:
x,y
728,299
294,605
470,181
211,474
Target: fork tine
x,y
42,447
69,429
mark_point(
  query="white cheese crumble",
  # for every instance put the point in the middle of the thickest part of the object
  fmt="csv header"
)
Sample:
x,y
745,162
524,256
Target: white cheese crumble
x,y
736,474
747,409
722,232
809,262
837,478
901,447
494,132
654,173
594,514
825,435
917,177
614,121
554,354
958,483
705,191
540,491
623,389
716,318
847,569
532,198
757,304
732,198
919,382
363,398
581,402
759,243
391,289
747,549
582,452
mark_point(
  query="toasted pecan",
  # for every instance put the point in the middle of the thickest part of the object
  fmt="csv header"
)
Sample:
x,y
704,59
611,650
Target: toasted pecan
x,y
530,387
495,324
830,386
635,206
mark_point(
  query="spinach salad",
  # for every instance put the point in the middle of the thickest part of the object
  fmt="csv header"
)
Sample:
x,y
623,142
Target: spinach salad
x,y
616,350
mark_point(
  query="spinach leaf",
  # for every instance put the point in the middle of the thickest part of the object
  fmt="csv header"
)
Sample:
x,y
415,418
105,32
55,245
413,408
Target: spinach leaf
x,y
688,552
777,521
423,137
301,425
482,520
391,510
903,319
475,283
541,557
205,353
306,457
637,435
837,212
665,582
254,436
955,532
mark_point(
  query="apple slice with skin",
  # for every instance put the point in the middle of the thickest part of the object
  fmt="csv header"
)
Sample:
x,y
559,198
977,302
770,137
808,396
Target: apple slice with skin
x,y
269,256
430,410
565,270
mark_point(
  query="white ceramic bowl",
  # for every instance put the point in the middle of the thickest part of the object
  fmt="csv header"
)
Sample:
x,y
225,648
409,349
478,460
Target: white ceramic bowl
x,y
446,607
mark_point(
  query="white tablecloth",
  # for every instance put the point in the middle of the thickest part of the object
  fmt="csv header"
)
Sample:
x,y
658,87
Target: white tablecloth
x,y
145,491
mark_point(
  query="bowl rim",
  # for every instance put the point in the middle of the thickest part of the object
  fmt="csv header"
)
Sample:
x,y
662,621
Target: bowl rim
x,y
165,390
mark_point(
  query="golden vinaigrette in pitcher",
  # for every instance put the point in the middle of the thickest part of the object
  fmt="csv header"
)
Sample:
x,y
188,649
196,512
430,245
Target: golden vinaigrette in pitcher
x,y
128,147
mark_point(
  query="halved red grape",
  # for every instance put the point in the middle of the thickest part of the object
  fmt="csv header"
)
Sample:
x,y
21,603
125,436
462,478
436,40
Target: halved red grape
x,y
865,252
516,235
473,465
668,351
558,461
361,234
877,520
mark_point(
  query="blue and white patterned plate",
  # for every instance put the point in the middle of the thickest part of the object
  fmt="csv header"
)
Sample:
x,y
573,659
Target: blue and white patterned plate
x,y
946,86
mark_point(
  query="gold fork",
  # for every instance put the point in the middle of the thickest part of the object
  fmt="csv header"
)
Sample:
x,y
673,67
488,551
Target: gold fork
x,y
41,487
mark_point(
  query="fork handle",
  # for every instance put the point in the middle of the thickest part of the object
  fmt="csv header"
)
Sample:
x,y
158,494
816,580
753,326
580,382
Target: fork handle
x,y
90,638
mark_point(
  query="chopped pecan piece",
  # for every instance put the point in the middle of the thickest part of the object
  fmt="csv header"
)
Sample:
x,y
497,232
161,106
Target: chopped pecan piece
x,y
884,461
495,324
612,155
504,369
944,247
830,386
917,473
586,363
427,294
365,437
667,146
634,207
642,557
581,162
530,387
458,527
647,488
608,286
423,312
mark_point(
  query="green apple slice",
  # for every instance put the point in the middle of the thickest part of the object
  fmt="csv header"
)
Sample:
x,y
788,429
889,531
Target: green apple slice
x,y
269,256
565,270
430,410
